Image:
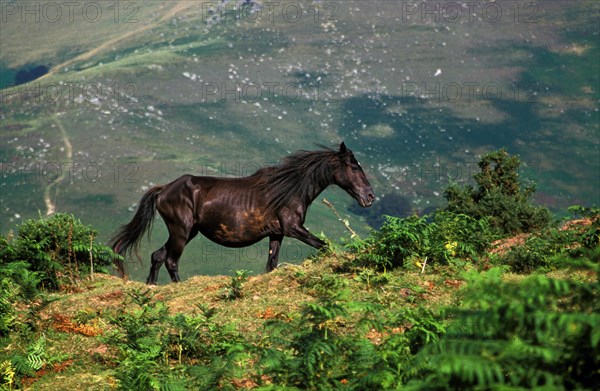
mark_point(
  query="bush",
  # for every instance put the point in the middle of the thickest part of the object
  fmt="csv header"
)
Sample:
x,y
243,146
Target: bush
x,y
440,238
499,206
590,235
499,197
464,238
397,242
234,290
539,249
60,248
534,254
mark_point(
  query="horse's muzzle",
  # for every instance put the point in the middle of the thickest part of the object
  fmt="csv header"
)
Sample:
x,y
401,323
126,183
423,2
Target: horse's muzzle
x,y
367,200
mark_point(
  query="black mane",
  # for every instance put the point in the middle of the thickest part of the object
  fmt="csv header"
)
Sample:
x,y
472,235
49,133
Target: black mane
x,y
301,175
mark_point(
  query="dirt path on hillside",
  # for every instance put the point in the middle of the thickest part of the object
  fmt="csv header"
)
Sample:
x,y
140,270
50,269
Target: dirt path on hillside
x,y
177,7
51,191
48,199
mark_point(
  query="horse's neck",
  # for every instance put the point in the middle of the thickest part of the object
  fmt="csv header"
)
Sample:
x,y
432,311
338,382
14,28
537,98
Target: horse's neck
x,y
318,189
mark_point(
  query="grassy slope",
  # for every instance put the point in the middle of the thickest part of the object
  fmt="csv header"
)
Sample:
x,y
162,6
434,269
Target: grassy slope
x,y
278,294
89,363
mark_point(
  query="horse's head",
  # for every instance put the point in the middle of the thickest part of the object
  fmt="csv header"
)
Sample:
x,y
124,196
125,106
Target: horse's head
x,y
350,177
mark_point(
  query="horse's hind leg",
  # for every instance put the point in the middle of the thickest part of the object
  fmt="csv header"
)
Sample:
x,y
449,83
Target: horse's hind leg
x,y
178,239
158,258
173,250
169,254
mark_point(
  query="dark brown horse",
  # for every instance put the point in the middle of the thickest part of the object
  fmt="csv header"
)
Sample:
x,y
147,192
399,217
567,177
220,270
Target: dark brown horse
x,y
238,212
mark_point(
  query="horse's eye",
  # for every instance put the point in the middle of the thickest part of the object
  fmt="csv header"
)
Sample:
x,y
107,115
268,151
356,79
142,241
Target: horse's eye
x,y
354,168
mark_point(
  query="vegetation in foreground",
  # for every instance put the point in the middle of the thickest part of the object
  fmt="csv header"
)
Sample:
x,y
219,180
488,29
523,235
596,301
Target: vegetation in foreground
x,y
464,298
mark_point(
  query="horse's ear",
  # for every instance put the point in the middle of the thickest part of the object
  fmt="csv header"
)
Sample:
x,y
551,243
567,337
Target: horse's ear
x,y
342,148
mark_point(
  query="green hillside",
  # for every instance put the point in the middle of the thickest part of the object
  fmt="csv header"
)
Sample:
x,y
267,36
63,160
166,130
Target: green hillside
x,y
490,292
453,311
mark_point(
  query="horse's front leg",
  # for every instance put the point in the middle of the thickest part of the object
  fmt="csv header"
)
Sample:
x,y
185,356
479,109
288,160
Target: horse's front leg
x,y
302,234
274,246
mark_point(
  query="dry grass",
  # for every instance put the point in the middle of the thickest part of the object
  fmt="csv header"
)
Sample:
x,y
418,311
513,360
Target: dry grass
x,y
78,319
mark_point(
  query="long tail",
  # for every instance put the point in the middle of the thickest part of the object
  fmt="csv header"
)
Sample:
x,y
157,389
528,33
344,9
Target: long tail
x,y
129,236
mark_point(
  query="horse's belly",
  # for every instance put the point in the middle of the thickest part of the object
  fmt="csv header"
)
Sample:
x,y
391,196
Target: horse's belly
x,y
233,242
238,229
231,236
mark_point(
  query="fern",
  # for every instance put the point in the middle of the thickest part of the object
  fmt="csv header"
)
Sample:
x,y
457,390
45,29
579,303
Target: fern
x,y
7,375
21,365
540,332
158,351
8,311
442,237
34,358
312,352
234,290
19,284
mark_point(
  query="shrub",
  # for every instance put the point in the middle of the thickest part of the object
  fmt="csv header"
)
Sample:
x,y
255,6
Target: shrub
x,y
60,248
313,350
499,196
534,254
440,238
30,356
539,249
590,235
463,237
19,284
